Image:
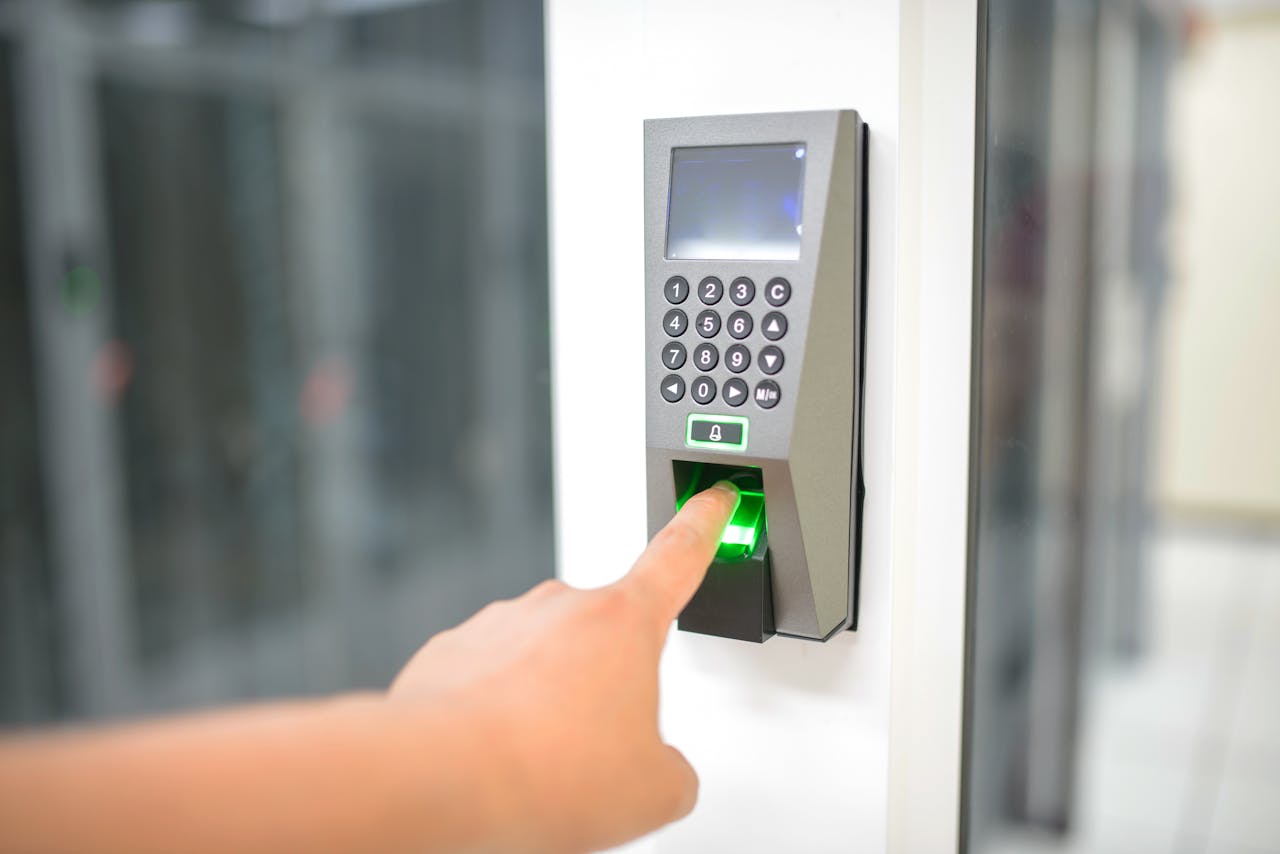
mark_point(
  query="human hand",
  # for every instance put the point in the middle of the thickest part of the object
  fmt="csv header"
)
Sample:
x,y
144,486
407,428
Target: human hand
x,y
563,684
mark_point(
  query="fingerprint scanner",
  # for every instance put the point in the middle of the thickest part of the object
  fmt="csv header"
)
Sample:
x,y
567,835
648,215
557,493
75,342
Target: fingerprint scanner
x,y
742,535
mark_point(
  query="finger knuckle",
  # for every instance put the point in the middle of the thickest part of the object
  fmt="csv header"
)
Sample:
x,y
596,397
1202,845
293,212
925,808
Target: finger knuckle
x,y
612,603
678,534
549,587
493,609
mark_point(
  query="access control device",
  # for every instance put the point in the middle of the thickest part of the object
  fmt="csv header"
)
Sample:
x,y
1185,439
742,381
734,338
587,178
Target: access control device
x,y
754,261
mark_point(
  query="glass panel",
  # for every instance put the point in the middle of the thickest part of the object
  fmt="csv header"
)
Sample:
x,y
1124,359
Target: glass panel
x,y
208,361
318,423
29,685
455,34
1122,690
1033,333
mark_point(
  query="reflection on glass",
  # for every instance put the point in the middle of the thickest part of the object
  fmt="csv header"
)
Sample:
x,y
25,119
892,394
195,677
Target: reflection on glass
x,y
28,639
312,417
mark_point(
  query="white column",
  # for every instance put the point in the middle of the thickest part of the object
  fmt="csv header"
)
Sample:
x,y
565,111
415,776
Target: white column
x,y
931,401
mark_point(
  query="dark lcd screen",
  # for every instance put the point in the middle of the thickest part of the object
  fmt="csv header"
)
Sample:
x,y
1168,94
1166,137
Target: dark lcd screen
x,y
739,202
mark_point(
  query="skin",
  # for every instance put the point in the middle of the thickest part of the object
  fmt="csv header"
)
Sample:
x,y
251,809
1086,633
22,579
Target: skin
x,y
533,726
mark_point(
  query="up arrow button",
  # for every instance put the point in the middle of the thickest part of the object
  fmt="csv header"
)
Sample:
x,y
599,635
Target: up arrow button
x,y
775,325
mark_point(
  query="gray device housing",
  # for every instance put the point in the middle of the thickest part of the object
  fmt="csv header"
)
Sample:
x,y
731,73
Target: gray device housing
x,y
807,446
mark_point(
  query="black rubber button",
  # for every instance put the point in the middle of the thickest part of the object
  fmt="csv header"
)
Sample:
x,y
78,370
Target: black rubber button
x,y
767,394
676,289
774,325
703,390
735,392
672,388
706,357
742,291
675,323
673,355
771,360
738,358
710,290
778,291
739,325
708,323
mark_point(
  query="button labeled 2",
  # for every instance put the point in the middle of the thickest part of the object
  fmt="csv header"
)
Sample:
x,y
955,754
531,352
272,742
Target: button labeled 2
x,y
717,432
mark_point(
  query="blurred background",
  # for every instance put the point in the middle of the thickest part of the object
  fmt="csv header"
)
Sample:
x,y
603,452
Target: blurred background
x,y
1124,687
274,393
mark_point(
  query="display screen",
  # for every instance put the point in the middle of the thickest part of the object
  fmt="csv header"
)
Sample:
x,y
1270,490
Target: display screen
x,y
739,202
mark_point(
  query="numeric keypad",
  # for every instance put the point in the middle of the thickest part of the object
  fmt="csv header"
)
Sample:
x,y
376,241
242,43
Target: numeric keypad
x,y
739,358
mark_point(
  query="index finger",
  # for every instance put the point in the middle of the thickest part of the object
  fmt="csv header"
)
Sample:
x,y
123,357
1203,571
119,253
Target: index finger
x,y
674,564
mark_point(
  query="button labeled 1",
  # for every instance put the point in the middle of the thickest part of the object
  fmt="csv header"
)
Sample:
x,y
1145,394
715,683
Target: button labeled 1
x,y
676,289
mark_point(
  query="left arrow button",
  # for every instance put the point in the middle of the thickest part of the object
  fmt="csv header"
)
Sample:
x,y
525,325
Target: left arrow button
x,y
672,388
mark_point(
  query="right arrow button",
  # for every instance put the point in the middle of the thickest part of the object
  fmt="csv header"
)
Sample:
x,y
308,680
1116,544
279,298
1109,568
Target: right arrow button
x,y
735,392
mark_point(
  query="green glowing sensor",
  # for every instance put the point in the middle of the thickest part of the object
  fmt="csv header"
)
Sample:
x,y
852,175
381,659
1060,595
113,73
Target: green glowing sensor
x,y
742,534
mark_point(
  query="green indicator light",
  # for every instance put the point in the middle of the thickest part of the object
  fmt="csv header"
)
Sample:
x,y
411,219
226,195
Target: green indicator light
x,y
716,432
742,534
743,531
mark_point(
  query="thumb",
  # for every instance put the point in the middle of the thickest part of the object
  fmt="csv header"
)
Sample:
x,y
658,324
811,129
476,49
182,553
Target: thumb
x,y
676,786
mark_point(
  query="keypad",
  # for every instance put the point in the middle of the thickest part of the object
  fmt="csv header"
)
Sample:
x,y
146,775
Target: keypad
x,y
735,352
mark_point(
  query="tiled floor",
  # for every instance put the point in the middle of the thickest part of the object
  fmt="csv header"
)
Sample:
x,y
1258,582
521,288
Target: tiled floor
x,y
1181,749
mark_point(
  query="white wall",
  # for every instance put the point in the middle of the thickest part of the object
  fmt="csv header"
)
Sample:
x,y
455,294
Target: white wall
x,y
792,739
1219,416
